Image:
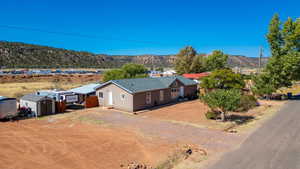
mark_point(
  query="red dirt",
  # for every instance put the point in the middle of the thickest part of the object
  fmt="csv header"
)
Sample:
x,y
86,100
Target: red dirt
x,y
191,111
43,144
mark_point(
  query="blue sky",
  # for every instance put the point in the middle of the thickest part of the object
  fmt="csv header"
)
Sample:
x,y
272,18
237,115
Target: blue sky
x,y
144,26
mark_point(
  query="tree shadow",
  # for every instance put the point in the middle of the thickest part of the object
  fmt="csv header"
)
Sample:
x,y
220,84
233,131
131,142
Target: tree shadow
x,y
239,119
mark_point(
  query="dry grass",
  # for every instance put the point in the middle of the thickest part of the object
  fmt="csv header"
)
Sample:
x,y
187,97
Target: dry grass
x,y
19,89
295,89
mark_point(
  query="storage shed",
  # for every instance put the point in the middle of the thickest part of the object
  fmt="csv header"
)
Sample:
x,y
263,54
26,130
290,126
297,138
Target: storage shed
x,y
39,105
8,107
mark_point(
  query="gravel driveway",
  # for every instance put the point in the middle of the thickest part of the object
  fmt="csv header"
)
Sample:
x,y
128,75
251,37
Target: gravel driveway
x,y
209,139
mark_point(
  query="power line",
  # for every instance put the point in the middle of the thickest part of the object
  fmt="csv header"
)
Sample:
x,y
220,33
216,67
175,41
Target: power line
x,y
78,35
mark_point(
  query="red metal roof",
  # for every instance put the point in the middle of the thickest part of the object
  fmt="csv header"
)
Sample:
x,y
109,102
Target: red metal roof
x,y
196,75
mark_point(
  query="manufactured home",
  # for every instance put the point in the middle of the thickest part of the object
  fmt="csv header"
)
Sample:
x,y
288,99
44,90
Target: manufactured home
x,y
142,93
8,107
39,105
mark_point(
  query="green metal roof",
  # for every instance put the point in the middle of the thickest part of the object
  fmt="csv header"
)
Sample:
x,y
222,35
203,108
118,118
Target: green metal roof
x,y
147,84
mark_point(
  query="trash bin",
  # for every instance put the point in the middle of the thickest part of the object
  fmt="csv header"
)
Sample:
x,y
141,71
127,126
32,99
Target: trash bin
x,y
289,95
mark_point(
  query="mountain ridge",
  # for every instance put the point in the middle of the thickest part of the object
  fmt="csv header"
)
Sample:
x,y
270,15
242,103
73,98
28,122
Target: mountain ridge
x,y
23,55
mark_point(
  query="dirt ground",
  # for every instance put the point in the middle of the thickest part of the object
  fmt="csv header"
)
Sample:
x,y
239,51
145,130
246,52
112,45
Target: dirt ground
x,y
62,144
185,112
106,139
193,113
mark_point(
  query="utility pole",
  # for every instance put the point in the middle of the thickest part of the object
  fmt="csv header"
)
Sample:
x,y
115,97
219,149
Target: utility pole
x,y
260,57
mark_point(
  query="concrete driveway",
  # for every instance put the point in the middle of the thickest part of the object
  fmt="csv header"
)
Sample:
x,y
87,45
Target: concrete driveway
x,y
276,145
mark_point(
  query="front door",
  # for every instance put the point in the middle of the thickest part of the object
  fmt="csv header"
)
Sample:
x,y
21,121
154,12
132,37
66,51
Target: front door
x,y
182,91
110,98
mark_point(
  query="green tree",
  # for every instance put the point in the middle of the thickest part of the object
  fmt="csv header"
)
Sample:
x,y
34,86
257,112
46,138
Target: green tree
x,y
198,65
217,60
129,70
133,70
185,59
283,67
223,101
262,85
274,36
223,79
297,34
288,33
113,75
291,67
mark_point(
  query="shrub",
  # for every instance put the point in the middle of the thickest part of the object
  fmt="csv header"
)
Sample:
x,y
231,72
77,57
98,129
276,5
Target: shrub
x,y
247,102
211,115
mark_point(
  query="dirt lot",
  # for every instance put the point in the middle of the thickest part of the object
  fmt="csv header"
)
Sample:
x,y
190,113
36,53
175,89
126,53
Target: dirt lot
x,y
99,138
193,113
47,144
186,112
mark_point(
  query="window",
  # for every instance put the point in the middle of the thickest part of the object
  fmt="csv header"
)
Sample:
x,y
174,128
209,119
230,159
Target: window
x,y
148,98
100,95
122,96
161,95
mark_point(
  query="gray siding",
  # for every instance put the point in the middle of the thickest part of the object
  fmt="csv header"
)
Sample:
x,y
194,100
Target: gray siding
x,y
137,101
118,103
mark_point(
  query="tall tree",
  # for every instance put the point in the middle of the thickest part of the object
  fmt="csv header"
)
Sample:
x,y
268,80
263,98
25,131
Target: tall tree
x,y
184,60
297,34
274,36
198,65
288,33
217,60
283,66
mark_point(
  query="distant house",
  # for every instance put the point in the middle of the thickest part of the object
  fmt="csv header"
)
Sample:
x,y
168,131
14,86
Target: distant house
x,y
39,105
8,107
154,73
137,94
196,76
169,73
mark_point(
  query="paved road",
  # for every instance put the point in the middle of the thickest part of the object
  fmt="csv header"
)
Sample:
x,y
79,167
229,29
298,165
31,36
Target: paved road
x,y
276,145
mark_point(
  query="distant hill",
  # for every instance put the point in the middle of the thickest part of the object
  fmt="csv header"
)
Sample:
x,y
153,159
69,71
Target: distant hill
x,y
22,55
